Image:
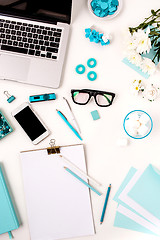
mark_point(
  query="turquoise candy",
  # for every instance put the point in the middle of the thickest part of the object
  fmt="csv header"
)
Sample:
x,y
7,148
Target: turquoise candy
x,y
103,14
112,9
96,35
104,43
108,42
101,35
97,12
93,4
115,2
91,38
93,32
104,5
110,13
88,32
96,40
102,8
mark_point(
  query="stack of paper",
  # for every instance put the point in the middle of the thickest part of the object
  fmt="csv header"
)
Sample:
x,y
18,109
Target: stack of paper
x,y
138,201
58,205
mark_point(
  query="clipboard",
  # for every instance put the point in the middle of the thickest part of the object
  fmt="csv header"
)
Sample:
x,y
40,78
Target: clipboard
x,y
58,206
53,149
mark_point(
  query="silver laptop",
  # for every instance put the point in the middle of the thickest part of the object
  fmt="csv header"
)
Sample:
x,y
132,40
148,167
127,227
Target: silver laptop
x,y
33,40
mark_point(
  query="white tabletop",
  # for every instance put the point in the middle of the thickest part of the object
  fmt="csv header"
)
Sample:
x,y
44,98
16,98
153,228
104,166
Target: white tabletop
x,y
106,162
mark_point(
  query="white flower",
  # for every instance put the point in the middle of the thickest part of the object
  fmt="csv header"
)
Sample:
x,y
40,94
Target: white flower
x,y
134,58
137,86
130,41
106,37
148,66
143,42
151,92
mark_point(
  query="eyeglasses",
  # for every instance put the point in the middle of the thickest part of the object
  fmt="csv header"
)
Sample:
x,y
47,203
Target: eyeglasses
x,y
102,99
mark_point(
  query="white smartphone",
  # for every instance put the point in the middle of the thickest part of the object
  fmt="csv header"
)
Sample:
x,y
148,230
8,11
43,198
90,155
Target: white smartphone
x,y
30,123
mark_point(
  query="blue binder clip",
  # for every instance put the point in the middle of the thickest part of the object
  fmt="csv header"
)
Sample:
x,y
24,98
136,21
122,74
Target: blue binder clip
x,y
10,98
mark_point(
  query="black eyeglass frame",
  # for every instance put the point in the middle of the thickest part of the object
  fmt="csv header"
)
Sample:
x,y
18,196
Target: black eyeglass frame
x,y
92,93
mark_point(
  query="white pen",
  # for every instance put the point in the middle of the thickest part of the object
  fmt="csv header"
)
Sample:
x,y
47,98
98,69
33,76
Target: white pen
x,y
79,170
73,118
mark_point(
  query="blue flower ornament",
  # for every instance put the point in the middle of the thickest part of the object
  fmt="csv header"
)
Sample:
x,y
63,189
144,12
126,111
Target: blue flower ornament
x,y
95,36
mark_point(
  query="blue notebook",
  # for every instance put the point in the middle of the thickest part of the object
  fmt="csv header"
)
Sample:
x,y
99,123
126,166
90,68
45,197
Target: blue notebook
x,y
8,218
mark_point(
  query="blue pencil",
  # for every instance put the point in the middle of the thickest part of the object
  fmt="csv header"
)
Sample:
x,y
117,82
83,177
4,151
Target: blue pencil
x,y
80,179
105,204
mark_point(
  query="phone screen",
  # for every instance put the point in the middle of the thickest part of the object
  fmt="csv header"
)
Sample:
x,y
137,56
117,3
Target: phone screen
x,y
30,123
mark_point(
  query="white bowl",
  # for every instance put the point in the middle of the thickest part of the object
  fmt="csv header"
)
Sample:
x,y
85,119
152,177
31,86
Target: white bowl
x,y
108,16
132,127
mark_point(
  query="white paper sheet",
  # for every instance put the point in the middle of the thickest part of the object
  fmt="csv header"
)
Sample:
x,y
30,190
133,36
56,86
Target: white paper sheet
x,y
128,213
58,205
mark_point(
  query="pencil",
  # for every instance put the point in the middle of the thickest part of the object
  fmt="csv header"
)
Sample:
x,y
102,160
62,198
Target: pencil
x,y
78,169
105,204
81,180
73,117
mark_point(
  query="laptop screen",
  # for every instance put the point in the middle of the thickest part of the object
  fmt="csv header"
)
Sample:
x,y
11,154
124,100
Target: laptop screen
x,y
51,11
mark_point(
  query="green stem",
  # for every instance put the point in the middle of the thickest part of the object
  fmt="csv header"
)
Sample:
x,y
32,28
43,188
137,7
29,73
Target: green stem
x,y
145,23
155,57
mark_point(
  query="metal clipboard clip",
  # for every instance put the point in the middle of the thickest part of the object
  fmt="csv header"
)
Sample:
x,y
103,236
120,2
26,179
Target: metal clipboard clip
x,y
53,149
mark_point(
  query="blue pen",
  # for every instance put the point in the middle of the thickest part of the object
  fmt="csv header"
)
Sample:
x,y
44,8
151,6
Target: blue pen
x,y
69,125
105,204
81,180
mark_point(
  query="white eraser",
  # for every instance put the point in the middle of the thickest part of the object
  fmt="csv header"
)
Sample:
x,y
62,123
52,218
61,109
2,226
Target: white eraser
x,y
122,142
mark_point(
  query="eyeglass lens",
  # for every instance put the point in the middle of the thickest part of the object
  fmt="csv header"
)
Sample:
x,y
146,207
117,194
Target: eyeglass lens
x,y
80,97
104,99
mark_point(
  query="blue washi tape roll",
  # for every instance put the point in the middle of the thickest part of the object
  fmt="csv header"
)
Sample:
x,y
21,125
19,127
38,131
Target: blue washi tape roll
x,y
91,62
80,69
90,77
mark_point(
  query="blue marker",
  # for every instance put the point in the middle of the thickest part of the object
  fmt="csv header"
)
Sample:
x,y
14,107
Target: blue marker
x,y
69,125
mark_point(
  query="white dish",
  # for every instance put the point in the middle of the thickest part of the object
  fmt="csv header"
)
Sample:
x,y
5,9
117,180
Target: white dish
x,y
108,16
138,124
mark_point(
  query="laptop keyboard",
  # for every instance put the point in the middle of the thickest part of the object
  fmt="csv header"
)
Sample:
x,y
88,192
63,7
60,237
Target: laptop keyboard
x,y
30,39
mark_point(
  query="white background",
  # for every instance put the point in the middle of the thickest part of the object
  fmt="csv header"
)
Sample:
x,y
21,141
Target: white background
x,y
106,162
